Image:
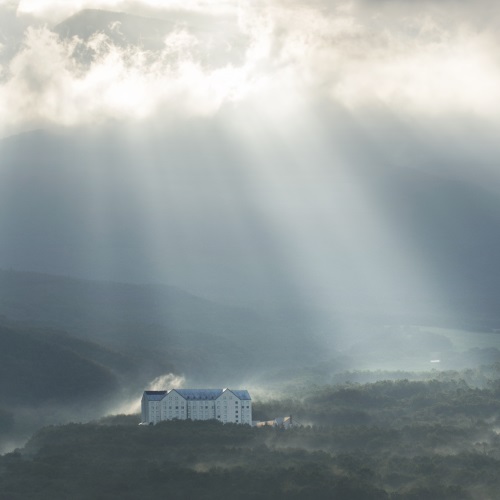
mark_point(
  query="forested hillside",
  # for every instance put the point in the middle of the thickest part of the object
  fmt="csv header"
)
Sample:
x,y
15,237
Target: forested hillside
x,y
402,440
49,376
46,366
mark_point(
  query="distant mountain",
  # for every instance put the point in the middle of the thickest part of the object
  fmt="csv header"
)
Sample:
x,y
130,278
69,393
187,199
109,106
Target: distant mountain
x,y
76,304
159,327
42,367
121,28
217,42
49,377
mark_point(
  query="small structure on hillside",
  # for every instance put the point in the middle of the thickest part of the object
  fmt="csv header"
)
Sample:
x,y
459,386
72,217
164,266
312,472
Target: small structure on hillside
x,y
224,405
279,422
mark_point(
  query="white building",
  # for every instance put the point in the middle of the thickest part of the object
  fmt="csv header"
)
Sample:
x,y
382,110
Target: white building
x,y
225,405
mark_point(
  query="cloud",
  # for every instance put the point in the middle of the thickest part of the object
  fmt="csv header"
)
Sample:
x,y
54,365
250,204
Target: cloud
x,y
352,54
418,62
9,4
167,381
45,84
131,406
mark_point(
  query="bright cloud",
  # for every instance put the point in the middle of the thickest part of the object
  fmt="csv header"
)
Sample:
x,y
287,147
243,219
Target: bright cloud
x,y
346,52
45,84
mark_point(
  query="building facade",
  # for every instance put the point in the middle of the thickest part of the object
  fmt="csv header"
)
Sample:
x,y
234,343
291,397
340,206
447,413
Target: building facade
x,y
224,405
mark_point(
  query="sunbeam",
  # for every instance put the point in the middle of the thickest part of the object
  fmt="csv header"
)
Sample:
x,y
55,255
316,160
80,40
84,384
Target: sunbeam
x,y
277,196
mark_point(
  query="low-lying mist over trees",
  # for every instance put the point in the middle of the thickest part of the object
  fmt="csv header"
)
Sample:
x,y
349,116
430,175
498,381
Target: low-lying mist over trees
x,y
399,440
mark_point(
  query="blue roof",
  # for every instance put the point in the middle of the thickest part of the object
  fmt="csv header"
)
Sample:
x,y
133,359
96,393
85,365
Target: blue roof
x,y
196,394
242,395
199,393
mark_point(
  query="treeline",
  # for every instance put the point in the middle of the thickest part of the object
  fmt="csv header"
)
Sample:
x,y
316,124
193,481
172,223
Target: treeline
x,y
388,440
207,459
451,398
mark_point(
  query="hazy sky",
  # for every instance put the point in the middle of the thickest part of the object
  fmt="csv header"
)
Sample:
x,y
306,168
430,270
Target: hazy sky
x,y
334,149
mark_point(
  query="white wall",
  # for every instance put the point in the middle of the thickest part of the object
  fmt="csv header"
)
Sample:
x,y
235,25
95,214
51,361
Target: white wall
x,y
227,408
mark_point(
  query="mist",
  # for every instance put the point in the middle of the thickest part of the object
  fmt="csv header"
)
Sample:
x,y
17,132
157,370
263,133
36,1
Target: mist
x,y
257,195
